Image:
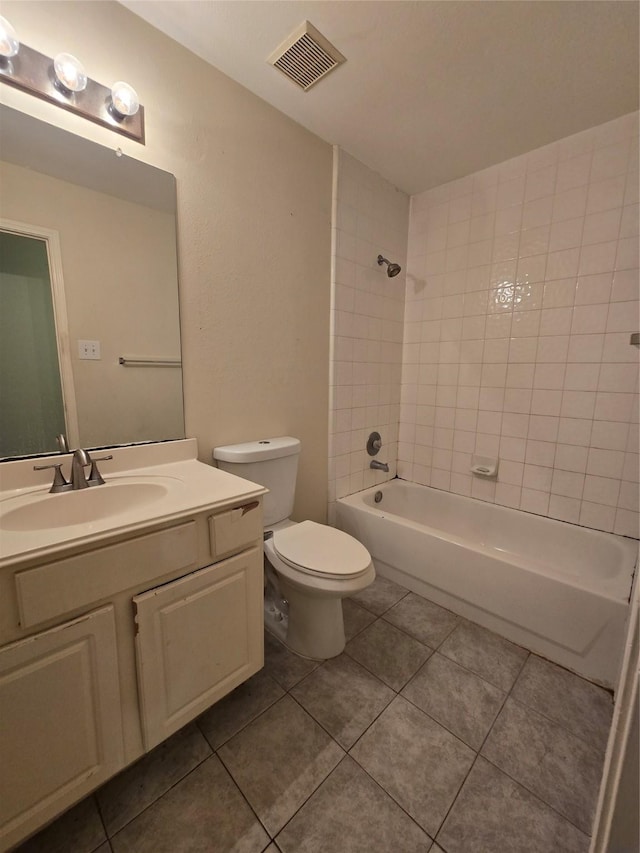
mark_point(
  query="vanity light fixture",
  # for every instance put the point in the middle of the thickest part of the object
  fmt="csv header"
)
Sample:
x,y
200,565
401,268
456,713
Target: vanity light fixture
x,y
124,99
70,72
9,44
63,81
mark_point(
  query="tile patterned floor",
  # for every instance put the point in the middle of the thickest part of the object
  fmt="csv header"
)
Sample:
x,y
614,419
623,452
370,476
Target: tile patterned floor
x,y
428,734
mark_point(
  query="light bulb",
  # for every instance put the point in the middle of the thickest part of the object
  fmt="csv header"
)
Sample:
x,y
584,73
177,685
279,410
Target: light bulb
x,y
70,72
124,99
9,44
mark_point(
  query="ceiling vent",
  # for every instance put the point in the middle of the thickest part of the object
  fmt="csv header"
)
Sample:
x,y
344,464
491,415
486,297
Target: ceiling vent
x,y
306,56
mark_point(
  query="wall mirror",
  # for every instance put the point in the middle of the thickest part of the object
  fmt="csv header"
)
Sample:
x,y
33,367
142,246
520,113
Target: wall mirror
x,y
89,317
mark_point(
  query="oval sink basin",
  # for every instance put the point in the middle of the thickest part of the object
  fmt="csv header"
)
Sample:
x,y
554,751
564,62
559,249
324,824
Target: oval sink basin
x,y
81,507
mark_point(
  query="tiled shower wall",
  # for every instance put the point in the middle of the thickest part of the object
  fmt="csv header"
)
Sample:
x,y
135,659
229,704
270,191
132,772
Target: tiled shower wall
x,y
370,217
522,290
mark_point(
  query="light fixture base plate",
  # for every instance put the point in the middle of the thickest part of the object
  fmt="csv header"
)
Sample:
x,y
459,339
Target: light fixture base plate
x,y
33,72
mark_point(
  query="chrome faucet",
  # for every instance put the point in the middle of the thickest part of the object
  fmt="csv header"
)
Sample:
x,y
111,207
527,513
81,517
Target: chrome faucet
x,y
78,480
379,466
79,461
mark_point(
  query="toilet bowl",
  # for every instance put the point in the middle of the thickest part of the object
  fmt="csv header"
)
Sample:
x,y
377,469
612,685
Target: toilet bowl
x,y
315,568
309,567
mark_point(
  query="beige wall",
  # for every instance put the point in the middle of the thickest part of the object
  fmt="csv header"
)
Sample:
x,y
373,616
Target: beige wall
x,y
254,217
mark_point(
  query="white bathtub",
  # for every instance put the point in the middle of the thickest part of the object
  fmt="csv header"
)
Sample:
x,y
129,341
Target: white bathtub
x,y
558,589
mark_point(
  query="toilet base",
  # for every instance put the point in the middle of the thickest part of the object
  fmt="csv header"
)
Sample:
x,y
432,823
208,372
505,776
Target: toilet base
x,y
276,627
315,625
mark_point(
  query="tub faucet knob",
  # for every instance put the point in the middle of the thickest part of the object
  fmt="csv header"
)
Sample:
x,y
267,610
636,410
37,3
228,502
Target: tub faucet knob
x,y
374,443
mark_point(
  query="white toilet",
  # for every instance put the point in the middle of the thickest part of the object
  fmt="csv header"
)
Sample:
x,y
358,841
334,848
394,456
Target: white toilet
x,y
310,567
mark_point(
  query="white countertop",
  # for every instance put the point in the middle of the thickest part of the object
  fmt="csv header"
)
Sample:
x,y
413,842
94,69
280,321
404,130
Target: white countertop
x,y
189,486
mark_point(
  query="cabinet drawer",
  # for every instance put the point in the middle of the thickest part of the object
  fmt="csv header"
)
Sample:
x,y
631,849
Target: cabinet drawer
x,y
235,529
63,586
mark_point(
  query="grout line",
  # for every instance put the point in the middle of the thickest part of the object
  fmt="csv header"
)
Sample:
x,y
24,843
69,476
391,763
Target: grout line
x,y
242,794
479,750
163,794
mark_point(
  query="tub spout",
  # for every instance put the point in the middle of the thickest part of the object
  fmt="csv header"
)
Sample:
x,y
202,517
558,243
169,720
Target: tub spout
x,y
379,466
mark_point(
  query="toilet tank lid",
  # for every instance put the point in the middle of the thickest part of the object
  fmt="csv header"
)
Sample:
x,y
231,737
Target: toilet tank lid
x,y
258,451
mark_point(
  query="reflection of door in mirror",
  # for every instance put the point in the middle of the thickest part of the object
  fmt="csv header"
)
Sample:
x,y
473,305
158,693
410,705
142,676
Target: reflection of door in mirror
x,y
32,402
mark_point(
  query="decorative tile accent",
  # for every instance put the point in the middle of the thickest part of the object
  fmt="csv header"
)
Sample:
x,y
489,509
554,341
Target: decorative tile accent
x,y
388,653
379,596
278,760
350,813
424,620
491,657
205,811
456,698
558,767
579,706
494,814
238,708
419,763
343,697
130,792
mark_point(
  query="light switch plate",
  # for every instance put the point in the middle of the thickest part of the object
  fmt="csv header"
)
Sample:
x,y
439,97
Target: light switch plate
x,y
89,349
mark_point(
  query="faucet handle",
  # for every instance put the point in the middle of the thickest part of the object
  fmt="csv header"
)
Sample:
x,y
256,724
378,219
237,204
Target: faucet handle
x,y
95,477
59,482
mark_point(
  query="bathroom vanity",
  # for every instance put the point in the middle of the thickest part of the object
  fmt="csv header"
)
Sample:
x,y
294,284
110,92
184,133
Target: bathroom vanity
x,y
126,610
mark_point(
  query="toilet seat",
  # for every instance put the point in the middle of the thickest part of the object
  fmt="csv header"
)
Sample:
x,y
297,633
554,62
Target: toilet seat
x,y
316,549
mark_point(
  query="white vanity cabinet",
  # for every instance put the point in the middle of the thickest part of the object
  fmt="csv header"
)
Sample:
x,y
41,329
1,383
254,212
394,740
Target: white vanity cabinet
x,y
107,649
60,720
196,638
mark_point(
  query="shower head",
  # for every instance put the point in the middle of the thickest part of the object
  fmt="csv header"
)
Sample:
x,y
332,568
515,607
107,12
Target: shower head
x,y
392,269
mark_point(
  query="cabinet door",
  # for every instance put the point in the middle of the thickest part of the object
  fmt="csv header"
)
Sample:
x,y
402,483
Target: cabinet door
x,y
197,638
60,721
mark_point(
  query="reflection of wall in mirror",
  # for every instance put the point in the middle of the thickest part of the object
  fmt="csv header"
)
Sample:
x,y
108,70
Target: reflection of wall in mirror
x,y
119,266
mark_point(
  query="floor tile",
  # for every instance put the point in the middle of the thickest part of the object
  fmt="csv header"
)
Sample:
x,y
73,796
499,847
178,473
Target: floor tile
x,y
78,830
278,760
343,697
203,813
549,761
458,699
238,708
284,666
388,653
491,657
424,620
351,814
418,762
356,618
379,596
493,814
130,792
581,707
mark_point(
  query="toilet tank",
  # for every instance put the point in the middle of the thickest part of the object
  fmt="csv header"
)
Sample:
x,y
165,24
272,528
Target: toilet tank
x,y
272,463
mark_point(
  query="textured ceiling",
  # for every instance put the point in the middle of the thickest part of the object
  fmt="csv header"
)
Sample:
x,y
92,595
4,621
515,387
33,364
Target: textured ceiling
x,y
431,90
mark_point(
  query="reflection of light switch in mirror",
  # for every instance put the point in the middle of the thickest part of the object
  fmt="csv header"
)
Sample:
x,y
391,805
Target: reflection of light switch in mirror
x,y
89,349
